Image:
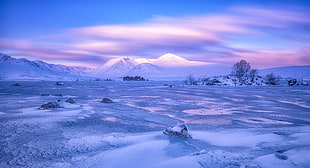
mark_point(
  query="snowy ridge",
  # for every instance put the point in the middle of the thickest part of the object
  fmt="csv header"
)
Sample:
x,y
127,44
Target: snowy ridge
x,y
23,69
289,71
76,70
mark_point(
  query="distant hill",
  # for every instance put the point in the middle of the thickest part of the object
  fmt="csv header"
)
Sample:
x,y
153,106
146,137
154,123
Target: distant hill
x,y
301,72
23,69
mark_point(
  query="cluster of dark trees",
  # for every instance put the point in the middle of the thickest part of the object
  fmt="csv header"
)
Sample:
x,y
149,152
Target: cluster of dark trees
x,y
190,80
99,79
244,72
133,78
272,79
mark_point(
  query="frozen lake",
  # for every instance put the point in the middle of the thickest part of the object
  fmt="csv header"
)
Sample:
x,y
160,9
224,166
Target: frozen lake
x,y
248,127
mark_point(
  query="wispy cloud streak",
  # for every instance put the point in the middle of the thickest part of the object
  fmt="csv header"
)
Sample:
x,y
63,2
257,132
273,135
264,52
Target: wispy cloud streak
x,y
205,37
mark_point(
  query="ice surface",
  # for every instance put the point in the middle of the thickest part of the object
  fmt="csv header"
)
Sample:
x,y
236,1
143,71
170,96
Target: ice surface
x,y
230,126
236,138
291,158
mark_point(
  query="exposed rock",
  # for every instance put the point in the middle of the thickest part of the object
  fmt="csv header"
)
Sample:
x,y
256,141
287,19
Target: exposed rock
x,y
16,84
45,94
58,95
292,82
106,100
279,133
281,156
281,151
59,83
70,100
169,85
180,130
50,105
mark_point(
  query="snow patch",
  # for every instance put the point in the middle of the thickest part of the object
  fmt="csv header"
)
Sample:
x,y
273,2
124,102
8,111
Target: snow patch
x,y
235,138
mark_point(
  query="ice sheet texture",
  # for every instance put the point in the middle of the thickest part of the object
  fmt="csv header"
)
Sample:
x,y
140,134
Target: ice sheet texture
x,y
230,126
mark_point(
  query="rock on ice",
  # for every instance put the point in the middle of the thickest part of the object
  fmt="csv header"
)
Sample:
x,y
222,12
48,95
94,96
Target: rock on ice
x,y
180,130
50,105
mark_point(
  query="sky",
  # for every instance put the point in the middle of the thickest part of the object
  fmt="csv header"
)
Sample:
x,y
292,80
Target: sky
x,y
266,33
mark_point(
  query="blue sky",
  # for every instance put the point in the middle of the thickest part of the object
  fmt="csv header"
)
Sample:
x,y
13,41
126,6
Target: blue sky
x,y
88,33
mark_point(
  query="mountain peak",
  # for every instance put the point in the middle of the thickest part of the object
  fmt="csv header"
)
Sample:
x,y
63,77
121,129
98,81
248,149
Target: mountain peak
x,y
116,67
170,56
174,60
143,60
5,58
125,59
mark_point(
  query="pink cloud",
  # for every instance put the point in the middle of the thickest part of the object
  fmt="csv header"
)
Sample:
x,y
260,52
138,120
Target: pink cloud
x,y
102,47
276,15
161,34
146,33
201,28
211,24
186,33
11,44
207,35
54,53
275,58
304,55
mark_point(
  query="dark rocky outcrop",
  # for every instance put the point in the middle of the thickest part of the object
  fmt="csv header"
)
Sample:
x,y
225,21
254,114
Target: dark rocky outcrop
x,y
70,100
106,100
50,105
292,82
168,85
280,155
16,84
45,94
59,83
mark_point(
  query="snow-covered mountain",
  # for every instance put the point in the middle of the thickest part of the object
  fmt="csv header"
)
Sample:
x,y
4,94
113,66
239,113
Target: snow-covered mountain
x,y
173,60
23,69
147,70
170,60
115,68
168,66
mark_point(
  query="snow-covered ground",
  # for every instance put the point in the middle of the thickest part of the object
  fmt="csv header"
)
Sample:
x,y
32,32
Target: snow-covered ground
x,y
247,127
